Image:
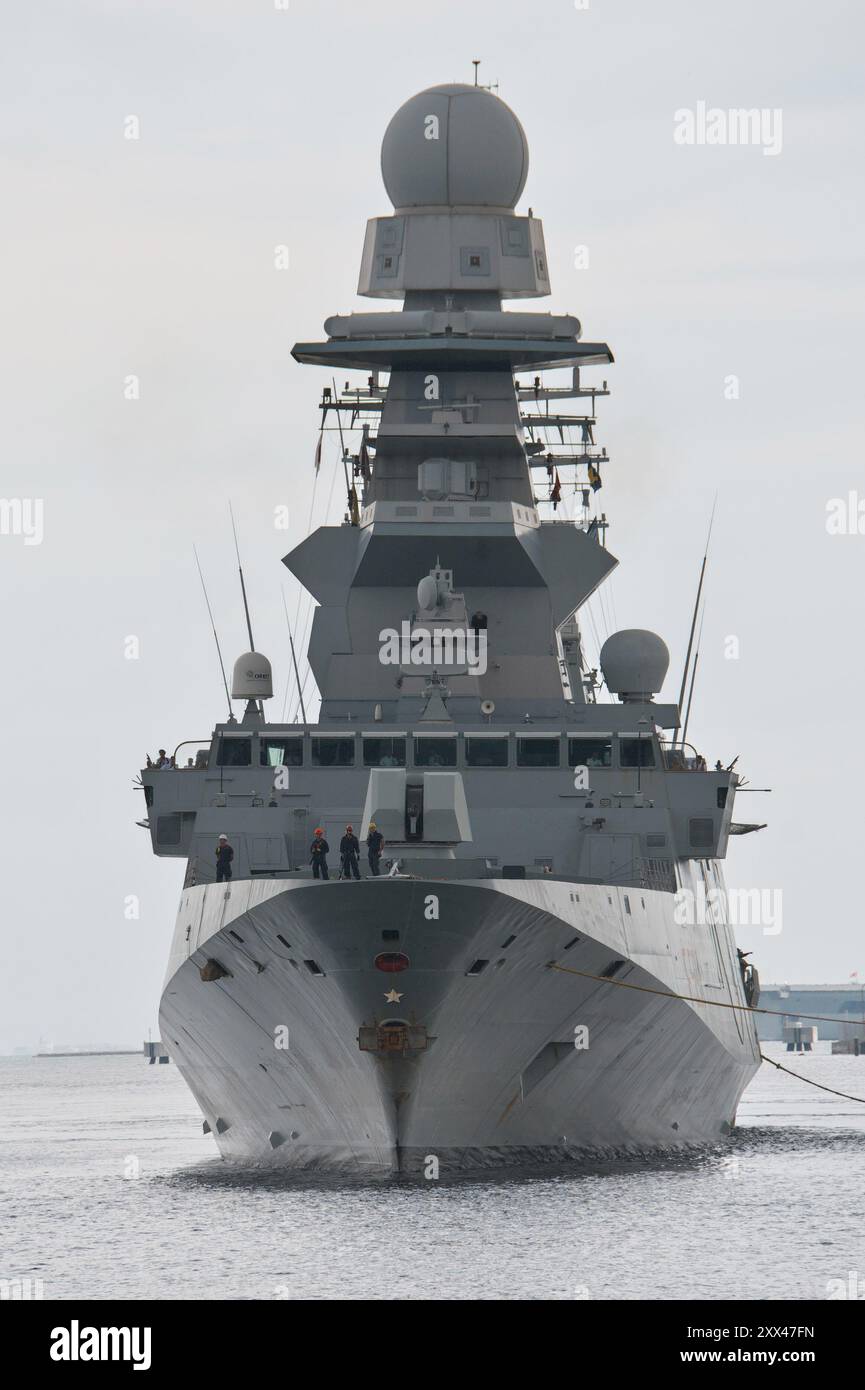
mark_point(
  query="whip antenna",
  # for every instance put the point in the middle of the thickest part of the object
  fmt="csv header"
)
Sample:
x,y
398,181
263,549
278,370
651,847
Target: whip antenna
x,y
693,677
696,610
242,585
213,625
293,657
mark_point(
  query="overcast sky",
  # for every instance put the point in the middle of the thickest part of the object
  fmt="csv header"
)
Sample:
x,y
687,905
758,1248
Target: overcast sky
x,y
260,127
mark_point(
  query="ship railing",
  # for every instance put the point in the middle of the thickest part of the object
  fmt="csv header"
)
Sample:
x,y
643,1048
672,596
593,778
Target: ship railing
x,y
681,757
198,760
176,759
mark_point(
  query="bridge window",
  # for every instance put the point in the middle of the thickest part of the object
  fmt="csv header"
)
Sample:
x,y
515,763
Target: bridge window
x,y
636,751
486,750
537,751
331,750
594,751
435,752
234,752
281,752
384,752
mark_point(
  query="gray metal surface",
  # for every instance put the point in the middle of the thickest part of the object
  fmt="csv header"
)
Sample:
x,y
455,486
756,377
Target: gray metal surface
x,y
528,810
454,145
500,1080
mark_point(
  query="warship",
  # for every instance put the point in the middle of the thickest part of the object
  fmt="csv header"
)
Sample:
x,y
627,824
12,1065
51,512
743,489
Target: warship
x,y
460,1005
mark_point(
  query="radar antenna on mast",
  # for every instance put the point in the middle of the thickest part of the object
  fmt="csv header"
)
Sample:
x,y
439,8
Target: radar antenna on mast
x,y
487,87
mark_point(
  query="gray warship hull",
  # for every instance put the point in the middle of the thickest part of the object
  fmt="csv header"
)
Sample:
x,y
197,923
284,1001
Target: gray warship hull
x,y
509,1055
547,969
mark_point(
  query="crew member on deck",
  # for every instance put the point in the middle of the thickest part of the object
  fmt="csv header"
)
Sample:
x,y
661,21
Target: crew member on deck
x,y
224,856
318,852
374,845
349,852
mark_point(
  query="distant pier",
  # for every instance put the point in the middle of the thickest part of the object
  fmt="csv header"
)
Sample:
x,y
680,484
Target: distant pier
x,y
112,1052
153,1051
841,1007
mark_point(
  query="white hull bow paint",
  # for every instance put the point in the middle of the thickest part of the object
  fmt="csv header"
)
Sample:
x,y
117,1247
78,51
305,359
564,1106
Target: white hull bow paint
x,y
500,1079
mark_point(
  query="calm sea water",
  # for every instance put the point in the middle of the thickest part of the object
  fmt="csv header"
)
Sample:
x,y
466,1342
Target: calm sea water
x,y
109,1189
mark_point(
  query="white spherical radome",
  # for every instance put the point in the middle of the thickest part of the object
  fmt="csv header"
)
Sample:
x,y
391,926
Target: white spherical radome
x,y
635,663
454,146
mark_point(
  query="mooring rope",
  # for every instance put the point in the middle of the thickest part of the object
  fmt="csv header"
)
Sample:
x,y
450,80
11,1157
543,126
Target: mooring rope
x,y
722,1004
808,1082
713,1003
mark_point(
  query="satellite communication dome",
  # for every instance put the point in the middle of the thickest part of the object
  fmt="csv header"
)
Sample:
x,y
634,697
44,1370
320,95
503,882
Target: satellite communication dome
x,y
252,677
454,146
428,593
634,663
